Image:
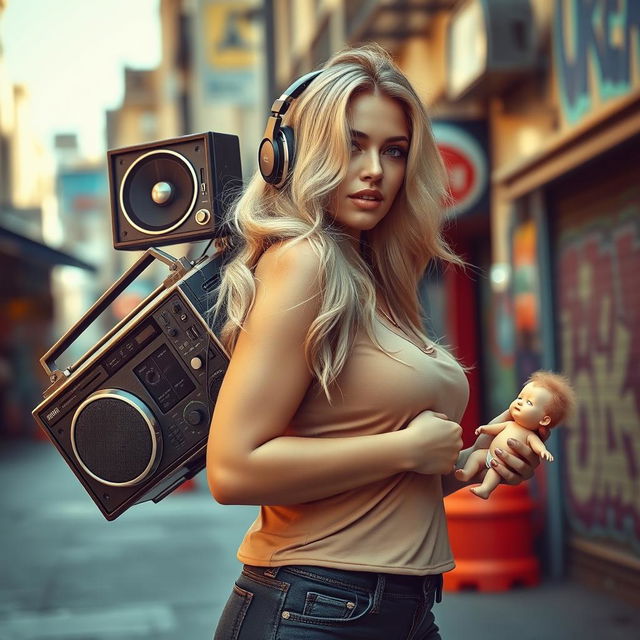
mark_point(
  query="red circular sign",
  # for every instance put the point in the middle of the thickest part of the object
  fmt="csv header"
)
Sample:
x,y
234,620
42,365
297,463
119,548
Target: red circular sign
x,y
466,163
461,173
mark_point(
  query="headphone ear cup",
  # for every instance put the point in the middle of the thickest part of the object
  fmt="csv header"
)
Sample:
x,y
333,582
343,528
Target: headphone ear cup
x,y
287,145
277,149
270,160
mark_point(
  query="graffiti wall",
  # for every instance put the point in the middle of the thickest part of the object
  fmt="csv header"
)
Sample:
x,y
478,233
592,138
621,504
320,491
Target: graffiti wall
x,y
525,293
595,53
598,302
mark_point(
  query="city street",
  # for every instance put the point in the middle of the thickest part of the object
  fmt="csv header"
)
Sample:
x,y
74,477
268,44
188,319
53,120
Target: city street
x,y
164,571
467,162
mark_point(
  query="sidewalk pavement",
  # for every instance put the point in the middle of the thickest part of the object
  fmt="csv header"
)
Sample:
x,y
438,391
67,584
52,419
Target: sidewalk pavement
x,y
164,571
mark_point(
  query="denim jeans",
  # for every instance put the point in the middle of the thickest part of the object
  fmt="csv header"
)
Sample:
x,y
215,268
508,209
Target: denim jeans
x,y
315,603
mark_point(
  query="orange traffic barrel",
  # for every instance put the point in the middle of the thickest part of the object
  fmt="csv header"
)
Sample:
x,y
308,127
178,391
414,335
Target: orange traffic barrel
x,y
187,485
491,540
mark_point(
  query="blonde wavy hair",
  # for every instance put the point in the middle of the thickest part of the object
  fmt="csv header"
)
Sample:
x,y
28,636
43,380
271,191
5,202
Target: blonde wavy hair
x,y
397,251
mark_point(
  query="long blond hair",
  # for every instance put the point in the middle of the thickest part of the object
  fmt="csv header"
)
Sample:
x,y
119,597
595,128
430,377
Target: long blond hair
x,y
398,249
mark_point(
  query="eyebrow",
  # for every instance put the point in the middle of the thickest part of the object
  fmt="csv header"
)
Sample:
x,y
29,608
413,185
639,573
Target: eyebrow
x,y
361,134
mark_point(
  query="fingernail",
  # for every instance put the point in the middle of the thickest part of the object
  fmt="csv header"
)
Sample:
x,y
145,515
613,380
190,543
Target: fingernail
x,y
494,463
499,452
511,442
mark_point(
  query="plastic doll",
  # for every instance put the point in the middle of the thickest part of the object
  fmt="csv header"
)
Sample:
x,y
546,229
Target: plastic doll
x,y
545,400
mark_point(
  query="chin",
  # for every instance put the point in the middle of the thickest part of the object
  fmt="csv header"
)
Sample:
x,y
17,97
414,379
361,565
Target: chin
x,y
361,222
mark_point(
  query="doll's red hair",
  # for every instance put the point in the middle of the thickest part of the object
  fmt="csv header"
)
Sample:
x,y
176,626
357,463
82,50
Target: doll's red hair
x,y
563,397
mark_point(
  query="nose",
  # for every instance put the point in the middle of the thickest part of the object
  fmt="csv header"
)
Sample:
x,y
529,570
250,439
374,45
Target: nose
x,y
371,170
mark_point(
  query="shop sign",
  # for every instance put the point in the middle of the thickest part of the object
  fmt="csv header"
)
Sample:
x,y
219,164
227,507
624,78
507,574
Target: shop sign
x,y
230,51
467,51
596,52
463,146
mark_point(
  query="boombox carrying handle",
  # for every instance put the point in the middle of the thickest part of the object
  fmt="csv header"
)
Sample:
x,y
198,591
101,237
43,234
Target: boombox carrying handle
x,y
48,359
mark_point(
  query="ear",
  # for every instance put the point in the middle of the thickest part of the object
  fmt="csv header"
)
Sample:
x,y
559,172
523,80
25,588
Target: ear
x,y
545,421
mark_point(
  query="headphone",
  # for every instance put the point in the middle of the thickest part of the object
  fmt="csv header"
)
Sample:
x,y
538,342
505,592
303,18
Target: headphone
x,y
277,149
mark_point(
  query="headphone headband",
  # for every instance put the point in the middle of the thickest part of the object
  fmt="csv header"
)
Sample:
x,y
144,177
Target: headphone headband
x,y
282,104
277,149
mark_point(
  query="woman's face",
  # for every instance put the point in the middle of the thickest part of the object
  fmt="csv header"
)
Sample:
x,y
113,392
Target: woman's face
x,y
379,148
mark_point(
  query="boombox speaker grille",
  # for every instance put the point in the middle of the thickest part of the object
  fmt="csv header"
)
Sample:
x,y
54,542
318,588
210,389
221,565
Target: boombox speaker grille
x,y
114,438
139,203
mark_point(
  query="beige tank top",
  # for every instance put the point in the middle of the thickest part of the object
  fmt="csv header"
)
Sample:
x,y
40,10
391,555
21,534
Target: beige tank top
x,y
396,525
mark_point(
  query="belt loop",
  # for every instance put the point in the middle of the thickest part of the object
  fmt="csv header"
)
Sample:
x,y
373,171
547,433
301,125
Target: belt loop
x,y
377,596
439,581
271,572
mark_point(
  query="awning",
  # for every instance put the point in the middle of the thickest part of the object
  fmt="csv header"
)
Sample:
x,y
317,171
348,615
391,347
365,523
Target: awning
x,y
20,246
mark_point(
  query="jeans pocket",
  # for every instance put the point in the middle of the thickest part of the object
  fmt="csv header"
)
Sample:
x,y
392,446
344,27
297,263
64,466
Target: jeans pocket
x,y
233,614
324,606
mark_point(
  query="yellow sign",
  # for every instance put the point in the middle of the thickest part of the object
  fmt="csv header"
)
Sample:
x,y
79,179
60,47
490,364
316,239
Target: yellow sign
x,y
230,35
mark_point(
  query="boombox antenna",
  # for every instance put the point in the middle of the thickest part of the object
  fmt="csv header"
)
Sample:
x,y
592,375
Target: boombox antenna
x,y
178,268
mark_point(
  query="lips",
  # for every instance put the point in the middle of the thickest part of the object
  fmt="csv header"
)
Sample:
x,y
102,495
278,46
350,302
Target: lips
x,y
367,194
366,200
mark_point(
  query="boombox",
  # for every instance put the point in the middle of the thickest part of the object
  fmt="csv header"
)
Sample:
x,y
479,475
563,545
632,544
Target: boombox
x,y
131,417
173,191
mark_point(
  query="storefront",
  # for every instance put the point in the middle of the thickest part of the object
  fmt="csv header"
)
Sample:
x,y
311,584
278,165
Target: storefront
x,y
569,226
596,248
26,321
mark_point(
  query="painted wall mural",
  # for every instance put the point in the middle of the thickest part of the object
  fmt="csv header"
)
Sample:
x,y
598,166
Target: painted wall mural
x,y
596,54
525,291
599,305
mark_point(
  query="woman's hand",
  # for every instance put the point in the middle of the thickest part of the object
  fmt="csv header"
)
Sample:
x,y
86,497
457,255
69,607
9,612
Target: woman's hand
x,y
517,465
434,443
514,467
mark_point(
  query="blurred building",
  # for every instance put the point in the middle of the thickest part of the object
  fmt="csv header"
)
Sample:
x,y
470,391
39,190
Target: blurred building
x,y
227,83
536,108
81,196
30,252
209,79
137,119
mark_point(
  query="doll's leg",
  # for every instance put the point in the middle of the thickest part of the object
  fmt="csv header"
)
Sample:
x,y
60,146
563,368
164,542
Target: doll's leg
x,y
490,482
475,462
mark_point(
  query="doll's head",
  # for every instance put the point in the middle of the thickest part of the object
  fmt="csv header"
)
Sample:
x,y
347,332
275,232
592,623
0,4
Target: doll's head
x,y
545,400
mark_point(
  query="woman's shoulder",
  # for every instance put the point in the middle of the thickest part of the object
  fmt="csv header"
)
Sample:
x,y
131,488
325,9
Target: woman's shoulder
x,y
294,260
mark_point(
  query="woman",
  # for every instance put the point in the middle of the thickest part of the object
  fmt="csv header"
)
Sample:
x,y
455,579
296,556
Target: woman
x,y
337,414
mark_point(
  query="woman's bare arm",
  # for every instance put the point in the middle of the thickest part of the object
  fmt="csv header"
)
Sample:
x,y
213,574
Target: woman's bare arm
x,y
249,460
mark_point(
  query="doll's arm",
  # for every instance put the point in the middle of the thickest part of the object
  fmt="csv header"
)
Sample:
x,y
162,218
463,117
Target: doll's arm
x,y
538,446
491,429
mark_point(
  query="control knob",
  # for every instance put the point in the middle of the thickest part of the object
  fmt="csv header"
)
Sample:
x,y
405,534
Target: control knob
x,y
196,414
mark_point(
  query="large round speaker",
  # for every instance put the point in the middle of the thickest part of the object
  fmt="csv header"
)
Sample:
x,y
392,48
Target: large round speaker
x,y
159,191
173,191
116,438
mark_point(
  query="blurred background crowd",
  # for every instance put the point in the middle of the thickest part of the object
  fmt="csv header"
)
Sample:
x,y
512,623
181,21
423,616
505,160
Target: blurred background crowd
x,y
536,109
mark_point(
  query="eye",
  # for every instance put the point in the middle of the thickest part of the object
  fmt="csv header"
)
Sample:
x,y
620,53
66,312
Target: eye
x,y
355,146
530,403
396,152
